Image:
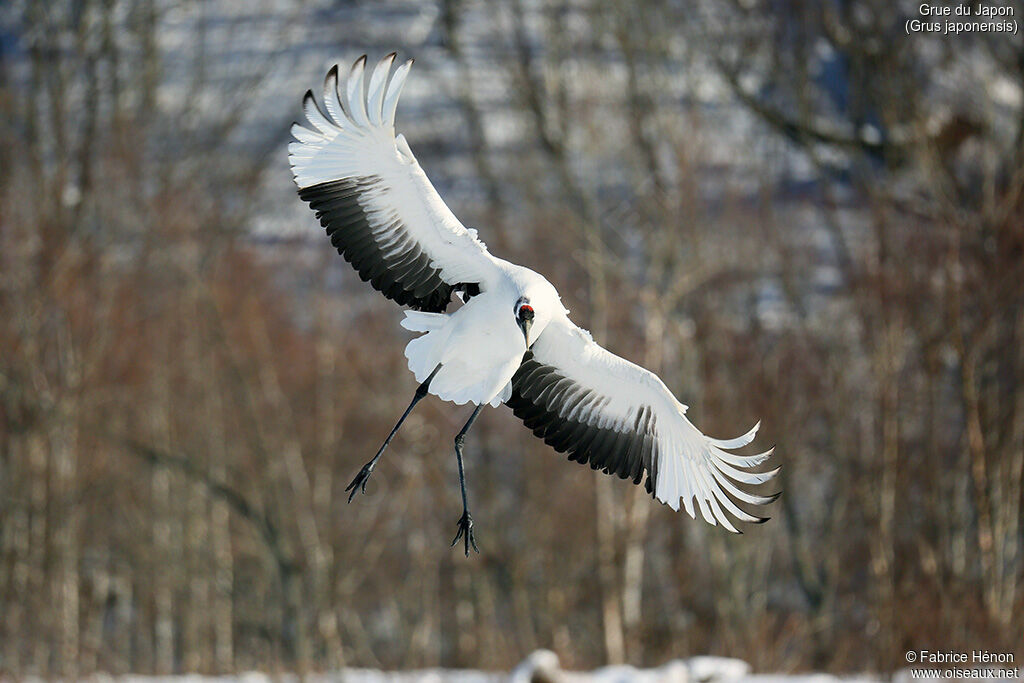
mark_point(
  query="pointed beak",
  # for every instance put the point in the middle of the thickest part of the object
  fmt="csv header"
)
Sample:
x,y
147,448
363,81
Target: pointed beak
x,y
525,325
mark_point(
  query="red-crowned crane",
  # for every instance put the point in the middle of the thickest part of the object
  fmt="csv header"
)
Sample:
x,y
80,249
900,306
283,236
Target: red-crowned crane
x,y
512,342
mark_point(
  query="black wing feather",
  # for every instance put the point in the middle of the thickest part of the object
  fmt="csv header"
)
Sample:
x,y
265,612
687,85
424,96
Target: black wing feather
x,y
539,393
389,259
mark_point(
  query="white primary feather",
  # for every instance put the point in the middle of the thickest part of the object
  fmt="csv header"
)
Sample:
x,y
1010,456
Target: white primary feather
x,y
375,91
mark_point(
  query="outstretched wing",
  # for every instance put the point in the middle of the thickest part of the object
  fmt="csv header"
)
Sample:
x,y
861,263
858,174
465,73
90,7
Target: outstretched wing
x,y
602,409
369,192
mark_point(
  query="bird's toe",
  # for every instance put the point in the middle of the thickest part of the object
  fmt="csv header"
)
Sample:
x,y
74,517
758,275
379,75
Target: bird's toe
x,y
465,533
359,483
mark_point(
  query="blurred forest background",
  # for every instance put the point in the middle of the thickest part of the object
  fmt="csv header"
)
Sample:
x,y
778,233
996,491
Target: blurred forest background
x,y
791,210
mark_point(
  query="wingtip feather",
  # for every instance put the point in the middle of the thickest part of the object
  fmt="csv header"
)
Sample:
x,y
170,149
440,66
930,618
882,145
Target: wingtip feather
x,y
304,136
378,88
331,99
355,87
739,441
393,91
316,117
331,79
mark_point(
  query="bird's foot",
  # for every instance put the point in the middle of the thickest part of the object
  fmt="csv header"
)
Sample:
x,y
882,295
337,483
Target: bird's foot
x,y
466,532
359,483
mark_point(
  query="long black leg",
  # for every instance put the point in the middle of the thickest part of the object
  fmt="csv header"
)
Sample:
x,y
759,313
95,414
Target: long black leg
x,y
359,483
466,521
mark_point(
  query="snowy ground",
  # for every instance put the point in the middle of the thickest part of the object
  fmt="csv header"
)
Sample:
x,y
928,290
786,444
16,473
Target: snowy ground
x,y
543,667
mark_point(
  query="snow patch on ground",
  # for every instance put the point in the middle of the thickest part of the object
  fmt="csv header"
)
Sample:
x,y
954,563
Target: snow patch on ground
x,y
542,666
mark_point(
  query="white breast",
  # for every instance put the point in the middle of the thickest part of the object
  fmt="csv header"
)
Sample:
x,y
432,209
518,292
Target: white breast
x,y
479,347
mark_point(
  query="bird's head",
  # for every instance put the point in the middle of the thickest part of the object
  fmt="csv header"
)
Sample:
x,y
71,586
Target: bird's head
x,y
525,315
537,305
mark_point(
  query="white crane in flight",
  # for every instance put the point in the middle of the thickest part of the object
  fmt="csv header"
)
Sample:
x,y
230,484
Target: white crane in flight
x,y
512,341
